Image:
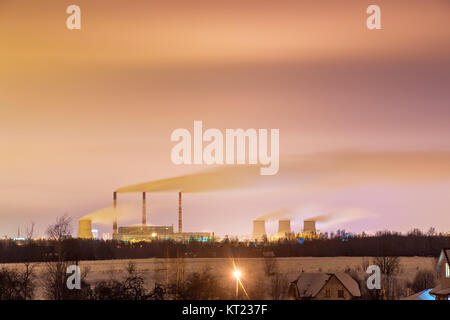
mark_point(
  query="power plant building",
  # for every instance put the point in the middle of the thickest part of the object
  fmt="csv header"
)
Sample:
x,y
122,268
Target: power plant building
x,y
146,232
150,233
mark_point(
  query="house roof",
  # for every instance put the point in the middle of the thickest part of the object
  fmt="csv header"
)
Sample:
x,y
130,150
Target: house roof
x,y
446,252
438,290
349,283
310,284
444,256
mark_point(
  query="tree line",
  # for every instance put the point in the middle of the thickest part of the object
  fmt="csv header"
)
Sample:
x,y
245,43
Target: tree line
x,y
386,244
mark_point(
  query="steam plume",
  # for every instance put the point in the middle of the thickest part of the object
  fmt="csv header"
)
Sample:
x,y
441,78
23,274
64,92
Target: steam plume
x,y
209,180
319,171
105,215
274,215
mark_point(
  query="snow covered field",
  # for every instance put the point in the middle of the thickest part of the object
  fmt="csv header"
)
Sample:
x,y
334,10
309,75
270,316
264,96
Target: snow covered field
x,y
252,269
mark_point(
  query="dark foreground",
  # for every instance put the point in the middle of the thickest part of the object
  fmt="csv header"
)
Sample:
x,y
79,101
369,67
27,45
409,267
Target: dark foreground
x,y
258,309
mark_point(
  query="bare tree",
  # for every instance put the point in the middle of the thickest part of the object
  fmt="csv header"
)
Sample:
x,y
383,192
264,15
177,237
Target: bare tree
x,y
28,277
54,279
424,279
270,263
431,232
278,286
257,288
30,231
278,283
131,288
17,285
54,282
201,286
389,266
61,229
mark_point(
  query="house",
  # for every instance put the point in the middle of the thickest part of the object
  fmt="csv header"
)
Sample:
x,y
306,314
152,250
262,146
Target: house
x,y
324,286
442,290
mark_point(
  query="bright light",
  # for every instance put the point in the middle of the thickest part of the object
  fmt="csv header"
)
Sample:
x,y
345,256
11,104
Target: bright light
x,y
154,234
237,274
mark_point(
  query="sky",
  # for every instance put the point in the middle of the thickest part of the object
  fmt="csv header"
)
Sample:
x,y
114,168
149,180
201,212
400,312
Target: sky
x,y
85,112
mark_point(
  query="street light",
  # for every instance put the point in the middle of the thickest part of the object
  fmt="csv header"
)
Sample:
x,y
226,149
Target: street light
x,y
237,275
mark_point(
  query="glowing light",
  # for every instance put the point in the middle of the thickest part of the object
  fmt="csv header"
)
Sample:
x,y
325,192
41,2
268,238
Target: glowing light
x,y
237,274
154,234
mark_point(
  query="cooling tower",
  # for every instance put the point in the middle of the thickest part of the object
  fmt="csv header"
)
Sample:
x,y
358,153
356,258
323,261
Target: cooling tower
x,y
85,229
309,226
259,229
284,228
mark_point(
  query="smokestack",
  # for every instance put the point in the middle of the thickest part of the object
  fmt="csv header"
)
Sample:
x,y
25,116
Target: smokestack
x,y
144,209
284,228
115,213
180,217
85,229
309,226
259,229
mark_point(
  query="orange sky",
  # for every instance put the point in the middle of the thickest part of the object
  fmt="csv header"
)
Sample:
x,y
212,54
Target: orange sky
x,y
85,112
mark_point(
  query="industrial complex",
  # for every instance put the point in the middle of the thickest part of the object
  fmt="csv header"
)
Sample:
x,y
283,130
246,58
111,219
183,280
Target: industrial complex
x,y
284,231
145,232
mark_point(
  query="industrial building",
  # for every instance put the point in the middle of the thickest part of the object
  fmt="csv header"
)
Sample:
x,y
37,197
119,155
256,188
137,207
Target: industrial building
x,y
144,232
85,229
284,230
309,230
259,230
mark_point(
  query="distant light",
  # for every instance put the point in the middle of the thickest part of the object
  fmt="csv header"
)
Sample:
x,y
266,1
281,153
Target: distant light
x,y
237,274
154,234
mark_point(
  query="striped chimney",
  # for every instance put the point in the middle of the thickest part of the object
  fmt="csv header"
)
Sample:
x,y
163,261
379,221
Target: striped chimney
x,y
180,217
115,214
144,209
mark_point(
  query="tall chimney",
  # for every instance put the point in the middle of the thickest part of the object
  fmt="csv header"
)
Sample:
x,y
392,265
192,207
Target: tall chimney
x,y
144,209
180,217
115,213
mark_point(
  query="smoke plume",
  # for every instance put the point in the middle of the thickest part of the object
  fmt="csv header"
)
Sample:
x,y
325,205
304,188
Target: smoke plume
x,y
221,178
317,171
106,215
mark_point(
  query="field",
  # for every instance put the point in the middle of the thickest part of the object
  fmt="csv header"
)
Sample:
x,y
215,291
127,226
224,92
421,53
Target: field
x,y
252,269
